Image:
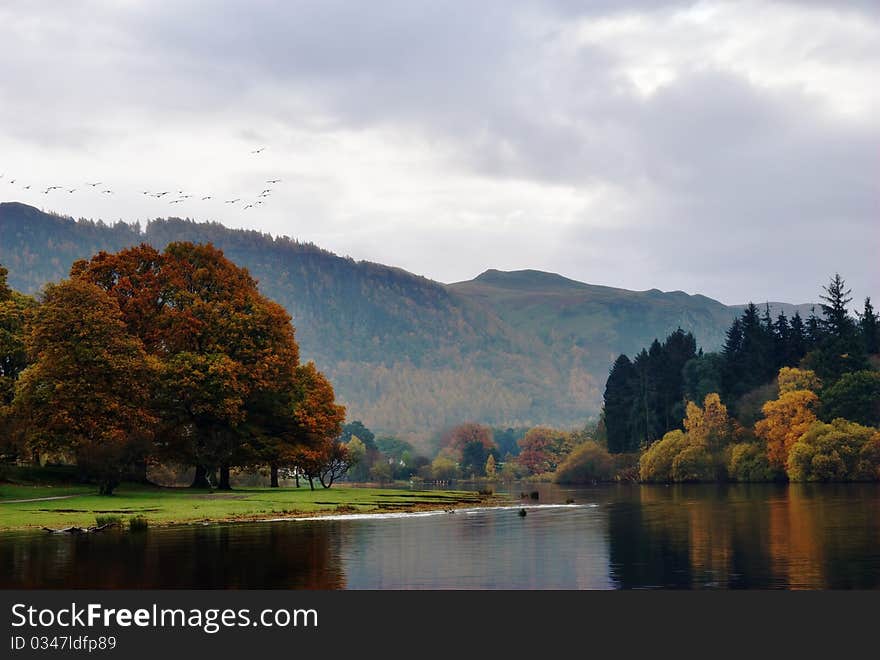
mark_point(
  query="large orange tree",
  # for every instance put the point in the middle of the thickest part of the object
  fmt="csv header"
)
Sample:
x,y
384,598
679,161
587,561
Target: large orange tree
x,y
88,392
229,379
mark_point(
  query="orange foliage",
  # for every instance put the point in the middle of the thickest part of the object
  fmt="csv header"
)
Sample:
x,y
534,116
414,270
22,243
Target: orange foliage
x,y
785,420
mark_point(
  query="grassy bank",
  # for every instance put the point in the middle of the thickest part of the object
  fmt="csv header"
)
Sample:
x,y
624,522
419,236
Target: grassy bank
x,y
167,506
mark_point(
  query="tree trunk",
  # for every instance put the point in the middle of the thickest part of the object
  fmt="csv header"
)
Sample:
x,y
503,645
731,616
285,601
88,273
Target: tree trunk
x,y
200,480
296,476
273,478
311,482
224,477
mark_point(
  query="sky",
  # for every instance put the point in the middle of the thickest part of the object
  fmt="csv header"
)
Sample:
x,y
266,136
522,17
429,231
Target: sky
x,y
724,148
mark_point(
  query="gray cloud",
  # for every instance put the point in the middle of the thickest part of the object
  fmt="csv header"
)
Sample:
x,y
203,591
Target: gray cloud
x,y
719,181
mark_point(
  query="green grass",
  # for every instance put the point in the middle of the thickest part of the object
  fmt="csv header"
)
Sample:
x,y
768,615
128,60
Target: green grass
x,y
163,506
21,491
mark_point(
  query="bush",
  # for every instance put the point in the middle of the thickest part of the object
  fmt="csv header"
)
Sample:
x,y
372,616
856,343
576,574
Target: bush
x,y
138,524
588,462
100,521
748,462
839,451
656,463
693,463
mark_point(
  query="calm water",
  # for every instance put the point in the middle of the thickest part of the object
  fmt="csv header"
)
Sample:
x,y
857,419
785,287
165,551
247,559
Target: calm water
x,y
749,536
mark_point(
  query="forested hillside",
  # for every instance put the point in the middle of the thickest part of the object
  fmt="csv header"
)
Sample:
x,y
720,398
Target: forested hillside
x,y
407,354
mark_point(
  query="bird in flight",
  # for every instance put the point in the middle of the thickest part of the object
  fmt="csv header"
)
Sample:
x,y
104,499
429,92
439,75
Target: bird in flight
x,y
27,187
258,151
94,185
72,190
249,206
107,192
175,201
206,197
232,201
274,181
13,181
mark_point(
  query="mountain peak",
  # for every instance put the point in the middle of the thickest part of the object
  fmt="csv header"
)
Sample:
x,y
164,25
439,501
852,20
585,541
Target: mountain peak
x,y
525,279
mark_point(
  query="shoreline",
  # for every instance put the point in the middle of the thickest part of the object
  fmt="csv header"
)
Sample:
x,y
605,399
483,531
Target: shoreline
x,y
169,507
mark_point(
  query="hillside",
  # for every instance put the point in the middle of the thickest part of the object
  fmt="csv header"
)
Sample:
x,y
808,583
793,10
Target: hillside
x,y
407,354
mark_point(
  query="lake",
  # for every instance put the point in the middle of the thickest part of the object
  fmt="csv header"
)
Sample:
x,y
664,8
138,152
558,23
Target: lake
x,y
764,536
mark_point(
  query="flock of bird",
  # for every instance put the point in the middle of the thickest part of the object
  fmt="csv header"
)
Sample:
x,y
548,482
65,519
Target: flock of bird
x,y
181,195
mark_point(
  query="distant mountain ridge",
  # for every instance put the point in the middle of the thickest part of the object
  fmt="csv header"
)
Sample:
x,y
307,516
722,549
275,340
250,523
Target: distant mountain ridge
x,y
407,354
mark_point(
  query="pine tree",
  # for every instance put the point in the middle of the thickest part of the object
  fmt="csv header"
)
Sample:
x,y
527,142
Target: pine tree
x,y
837,321
869,326
619,402
814,333
797,339
731,354
782,353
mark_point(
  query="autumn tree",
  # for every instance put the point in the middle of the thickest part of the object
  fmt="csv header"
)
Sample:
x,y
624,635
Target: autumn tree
x,y
14,310
791,379
489,469
88,391
228,354
543,448
457,437
710,425
785,420
839,451
587,463
312,446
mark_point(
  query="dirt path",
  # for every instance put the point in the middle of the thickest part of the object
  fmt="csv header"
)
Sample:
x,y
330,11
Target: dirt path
x,y
39,499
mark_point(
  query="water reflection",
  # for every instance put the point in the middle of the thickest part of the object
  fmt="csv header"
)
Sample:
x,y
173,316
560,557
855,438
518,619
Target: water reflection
x,y
802,536
748,536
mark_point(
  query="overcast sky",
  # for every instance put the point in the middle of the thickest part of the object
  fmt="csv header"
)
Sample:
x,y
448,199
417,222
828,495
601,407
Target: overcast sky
x,y
724,148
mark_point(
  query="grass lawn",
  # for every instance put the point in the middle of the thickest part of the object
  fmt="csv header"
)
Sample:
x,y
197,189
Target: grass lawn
x,y
162,506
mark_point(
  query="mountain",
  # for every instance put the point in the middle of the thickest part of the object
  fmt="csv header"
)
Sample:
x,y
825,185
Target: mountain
x,y
406,354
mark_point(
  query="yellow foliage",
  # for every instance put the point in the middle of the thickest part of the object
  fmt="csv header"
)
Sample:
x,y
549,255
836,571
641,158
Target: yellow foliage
x,y
785,420
791,379
710,425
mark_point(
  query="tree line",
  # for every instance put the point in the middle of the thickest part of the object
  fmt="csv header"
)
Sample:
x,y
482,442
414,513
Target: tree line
x,y
783,399
143,356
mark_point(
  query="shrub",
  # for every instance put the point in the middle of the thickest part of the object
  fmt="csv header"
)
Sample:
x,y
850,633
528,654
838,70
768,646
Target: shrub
x,y
693,463
749,462
588,462
102,520
138,524
656,463
839,451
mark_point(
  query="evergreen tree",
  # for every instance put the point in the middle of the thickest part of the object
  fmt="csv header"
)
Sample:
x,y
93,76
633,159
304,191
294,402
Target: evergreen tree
x,y
868,324
814,330
644,412
782,354
731,353
837,322
797,340
679,348
619,401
